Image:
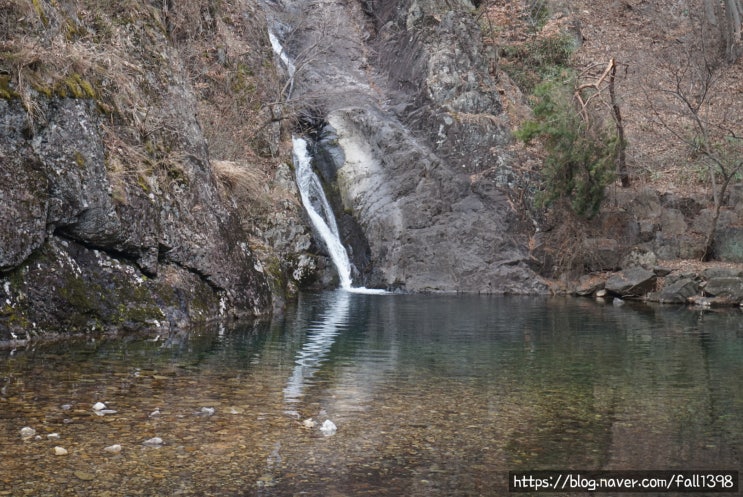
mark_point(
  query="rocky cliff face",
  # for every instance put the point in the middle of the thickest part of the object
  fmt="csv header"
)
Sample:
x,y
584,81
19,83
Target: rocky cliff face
x,y
144,148
82,252
413,140
115,210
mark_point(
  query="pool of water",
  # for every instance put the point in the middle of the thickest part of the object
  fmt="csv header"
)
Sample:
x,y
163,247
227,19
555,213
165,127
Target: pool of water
x,y
431,396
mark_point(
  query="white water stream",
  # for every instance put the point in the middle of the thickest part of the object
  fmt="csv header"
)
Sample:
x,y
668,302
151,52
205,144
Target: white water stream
x,y
313,195
322,216
319,210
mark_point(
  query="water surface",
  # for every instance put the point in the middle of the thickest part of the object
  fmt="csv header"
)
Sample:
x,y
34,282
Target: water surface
x,y
431,396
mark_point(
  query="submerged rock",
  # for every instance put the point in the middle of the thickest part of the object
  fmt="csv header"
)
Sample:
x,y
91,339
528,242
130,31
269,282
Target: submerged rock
x,y
206,411
113,449
27,432
328,428
153,442
309,423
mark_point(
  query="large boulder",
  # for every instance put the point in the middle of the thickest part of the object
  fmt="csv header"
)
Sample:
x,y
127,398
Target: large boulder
x,y
730,288
429,228
631,283
678,292
728,244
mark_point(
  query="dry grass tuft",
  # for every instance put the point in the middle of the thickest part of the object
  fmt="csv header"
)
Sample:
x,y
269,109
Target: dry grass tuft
x,y
244,183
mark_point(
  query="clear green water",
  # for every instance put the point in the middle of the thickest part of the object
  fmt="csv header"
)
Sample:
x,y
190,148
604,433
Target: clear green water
x,y
431,395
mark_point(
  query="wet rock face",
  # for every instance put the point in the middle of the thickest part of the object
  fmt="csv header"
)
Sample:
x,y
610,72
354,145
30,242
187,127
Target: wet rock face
x,y
74,254
429,229
416,128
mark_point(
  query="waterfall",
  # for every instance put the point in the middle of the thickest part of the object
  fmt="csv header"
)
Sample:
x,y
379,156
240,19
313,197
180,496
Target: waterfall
x,y
319,210
313,195
279,50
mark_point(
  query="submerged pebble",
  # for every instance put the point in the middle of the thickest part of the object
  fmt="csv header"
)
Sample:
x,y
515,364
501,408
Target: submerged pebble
x,y
309,423
115,449
207,411
99,406
153,442
60,451
83,475
103,412
27,432
328,428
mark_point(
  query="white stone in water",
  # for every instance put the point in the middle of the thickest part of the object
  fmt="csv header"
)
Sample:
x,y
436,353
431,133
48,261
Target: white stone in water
x,y
328,428
207,411
53,436
153,442
99,406
115,448
309,423
27,432
60,451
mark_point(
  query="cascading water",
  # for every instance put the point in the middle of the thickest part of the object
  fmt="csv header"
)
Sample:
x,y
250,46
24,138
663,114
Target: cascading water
x,y
313,195
279,50
319,210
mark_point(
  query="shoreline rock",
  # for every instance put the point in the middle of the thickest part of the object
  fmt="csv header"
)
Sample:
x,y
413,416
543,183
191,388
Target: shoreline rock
x,y
708,284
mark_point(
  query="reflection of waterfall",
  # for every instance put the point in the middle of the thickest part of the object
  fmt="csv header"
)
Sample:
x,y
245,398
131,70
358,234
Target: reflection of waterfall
x,y
320,339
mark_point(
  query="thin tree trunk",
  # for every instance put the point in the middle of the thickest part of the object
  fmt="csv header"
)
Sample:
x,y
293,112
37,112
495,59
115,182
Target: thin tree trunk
x,y
709,242
622,145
